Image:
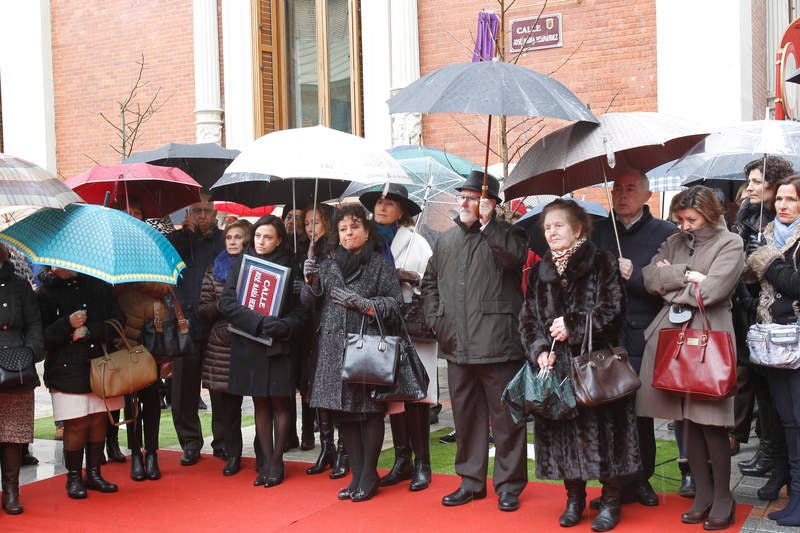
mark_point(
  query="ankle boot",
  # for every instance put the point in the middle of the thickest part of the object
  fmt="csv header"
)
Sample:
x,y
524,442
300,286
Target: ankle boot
x,y
151,466
73,461
327,453
421,479
687,489
402,469
341,465
576,503
757,457
608,516
777,479
307,417
11,462
773,453
137,466
112,441
94,480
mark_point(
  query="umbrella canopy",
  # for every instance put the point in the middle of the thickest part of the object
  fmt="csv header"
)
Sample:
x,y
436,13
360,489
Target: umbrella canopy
x,y
724,154
24,184
581,154
530,222
161,190
98,241
205,162
302,165
493,88
457,164
232,208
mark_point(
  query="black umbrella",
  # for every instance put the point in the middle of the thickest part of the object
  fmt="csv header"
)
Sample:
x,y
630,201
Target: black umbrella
x,y
204,162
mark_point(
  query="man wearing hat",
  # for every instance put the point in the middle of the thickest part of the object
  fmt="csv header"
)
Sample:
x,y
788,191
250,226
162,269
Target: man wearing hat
x,y
472,296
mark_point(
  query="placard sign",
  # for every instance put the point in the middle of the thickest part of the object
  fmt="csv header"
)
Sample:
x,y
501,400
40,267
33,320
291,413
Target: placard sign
x,y
536,33
261,287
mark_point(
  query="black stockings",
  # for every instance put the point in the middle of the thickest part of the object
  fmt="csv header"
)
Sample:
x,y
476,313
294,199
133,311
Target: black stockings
x,y
363,441
273,422
80,431
704,444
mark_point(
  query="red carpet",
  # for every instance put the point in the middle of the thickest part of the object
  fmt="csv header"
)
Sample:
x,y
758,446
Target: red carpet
x,y
200,498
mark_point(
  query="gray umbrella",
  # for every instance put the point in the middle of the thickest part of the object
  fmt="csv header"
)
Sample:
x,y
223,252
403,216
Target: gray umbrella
x,y
204,162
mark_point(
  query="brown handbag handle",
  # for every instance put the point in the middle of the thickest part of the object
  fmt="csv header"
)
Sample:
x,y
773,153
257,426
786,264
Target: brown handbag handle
x,y
117,325
183,324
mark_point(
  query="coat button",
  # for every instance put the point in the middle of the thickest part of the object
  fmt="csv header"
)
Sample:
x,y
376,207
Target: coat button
x,y
5,304
777,296
564,283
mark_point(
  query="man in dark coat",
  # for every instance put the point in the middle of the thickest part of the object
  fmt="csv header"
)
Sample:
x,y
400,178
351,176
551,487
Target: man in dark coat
x,y
640,236
199,241
472,298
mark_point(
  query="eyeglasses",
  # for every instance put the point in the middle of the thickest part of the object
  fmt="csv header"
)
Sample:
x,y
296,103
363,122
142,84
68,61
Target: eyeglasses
x,y
461,198
201,210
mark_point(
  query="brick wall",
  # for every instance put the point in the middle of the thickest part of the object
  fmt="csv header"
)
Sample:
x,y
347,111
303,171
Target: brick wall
x,y
610,45
96,46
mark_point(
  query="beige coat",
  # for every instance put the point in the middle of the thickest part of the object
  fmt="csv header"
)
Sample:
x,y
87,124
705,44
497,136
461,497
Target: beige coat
x,y
719,254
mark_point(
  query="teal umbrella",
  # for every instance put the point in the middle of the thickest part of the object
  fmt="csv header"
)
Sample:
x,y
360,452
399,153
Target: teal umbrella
x,y
98,241
457,164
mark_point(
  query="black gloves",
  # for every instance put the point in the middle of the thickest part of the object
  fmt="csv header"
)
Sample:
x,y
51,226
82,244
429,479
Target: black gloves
x,y
754,244
351,300
277,328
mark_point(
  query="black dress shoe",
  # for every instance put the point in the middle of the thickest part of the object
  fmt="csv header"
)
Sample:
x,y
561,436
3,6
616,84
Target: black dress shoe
x,y
151,466
695,517
346,493
362,495
462,496
232,466
276,477
260,480
644,494
190,457
507,501
715,524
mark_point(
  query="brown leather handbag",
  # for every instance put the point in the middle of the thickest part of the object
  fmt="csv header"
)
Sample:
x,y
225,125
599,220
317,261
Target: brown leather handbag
x,y
698,363
601,376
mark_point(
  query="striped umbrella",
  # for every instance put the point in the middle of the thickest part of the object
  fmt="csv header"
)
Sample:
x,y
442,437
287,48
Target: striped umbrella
x,y
24,184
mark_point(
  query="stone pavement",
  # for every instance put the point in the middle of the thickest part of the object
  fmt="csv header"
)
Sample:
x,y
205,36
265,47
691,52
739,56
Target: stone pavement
x,y
51,462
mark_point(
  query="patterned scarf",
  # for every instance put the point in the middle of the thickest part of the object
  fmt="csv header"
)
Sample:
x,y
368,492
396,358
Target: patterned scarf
x,y
561,258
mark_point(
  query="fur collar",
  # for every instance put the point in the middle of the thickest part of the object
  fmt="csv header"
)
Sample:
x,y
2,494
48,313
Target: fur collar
x,y
578,266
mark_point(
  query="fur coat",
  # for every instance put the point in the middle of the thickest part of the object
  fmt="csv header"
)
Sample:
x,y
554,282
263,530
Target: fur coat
x,y
776,270
601,442
717,253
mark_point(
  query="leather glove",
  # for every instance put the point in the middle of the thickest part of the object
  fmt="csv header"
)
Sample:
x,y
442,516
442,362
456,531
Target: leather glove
x,y
275,328
351,300
408,276
297,286
311,273
754,244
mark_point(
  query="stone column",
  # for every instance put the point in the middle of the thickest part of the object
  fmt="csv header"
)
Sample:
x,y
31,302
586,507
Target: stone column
x,y
406,127
208,104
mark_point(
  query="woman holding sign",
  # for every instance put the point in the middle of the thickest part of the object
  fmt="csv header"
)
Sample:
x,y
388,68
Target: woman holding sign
x,y
260,364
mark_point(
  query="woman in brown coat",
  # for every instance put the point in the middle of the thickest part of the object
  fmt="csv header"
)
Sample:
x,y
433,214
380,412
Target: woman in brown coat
x,y
703,256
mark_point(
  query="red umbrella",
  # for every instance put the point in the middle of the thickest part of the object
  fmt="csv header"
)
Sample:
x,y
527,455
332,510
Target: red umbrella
x,y
242,210
161,190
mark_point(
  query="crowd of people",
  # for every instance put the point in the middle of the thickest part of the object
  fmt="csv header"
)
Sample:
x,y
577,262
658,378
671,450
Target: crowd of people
x,y
625,277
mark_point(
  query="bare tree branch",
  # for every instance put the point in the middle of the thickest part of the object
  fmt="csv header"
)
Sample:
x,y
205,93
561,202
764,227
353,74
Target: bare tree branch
x,y
612,101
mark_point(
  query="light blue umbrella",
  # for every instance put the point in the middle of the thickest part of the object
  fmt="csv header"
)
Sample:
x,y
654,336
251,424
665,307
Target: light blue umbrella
x,y
98,241
457,164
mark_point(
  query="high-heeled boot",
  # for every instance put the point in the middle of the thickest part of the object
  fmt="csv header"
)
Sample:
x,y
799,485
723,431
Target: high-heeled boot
x,y
151,466
402,468
419,432
341,465
73,461
687,489
576,503
94,460
11,460
327,453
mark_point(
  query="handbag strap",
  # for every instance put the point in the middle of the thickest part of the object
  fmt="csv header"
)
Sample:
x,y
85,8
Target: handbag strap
x,y
117,326
706,324
183,324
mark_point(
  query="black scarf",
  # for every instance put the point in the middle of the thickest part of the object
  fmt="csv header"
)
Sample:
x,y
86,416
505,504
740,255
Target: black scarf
x,y
350,262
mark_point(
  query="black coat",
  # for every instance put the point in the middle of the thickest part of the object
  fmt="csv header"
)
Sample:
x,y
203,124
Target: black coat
x,y
601,442
20,318
255,368
66,366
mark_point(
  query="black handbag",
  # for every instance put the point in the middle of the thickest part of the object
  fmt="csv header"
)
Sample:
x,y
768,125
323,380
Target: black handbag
x,y
17,371
411,382
370,359
414,316
166,336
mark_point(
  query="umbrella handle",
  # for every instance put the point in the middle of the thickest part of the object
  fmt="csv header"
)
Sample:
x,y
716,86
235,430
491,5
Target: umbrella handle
x,y
485,170
611,211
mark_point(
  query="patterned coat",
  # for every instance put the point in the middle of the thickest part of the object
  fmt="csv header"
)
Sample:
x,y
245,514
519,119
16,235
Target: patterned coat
x,y
377,280
717,253
217,360
601,442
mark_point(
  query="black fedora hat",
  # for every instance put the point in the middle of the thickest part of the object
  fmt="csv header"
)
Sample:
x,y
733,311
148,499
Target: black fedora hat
x,y
475,183
392,191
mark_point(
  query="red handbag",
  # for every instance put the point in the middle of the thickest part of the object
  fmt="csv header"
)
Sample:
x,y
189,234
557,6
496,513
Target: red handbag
x,y
698,363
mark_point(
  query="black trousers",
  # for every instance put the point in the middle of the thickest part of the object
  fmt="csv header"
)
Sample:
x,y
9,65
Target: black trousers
x,y
148,419
475,392
185,397
227,412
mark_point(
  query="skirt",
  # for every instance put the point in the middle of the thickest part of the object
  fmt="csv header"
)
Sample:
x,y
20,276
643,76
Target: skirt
x,y
16,416
67,406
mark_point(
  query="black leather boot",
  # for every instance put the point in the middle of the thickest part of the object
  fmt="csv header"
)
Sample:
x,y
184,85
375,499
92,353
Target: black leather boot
x,y
576,503
308,416
776,451
11,462
137,466
757,457
608,516
402,469
421,479
777,479
327,453
112,440
687,489
151,466
73,461
341,465
94,459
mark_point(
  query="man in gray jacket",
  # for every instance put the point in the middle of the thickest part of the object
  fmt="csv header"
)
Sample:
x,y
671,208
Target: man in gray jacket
x,y
472,296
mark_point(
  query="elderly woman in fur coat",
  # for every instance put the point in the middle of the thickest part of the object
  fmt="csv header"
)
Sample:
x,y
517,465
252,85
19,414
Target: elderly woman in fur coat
x,y
575,278
703,256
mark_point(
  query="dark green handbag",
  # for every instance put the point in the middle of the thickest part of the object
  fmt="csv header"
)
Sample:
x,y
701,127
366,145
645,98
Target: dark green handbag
x,y
540,394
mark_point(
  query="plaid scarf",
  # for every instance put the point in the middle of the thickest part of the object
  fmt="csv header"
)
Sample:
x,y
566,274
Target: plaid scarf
x,y
561,258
